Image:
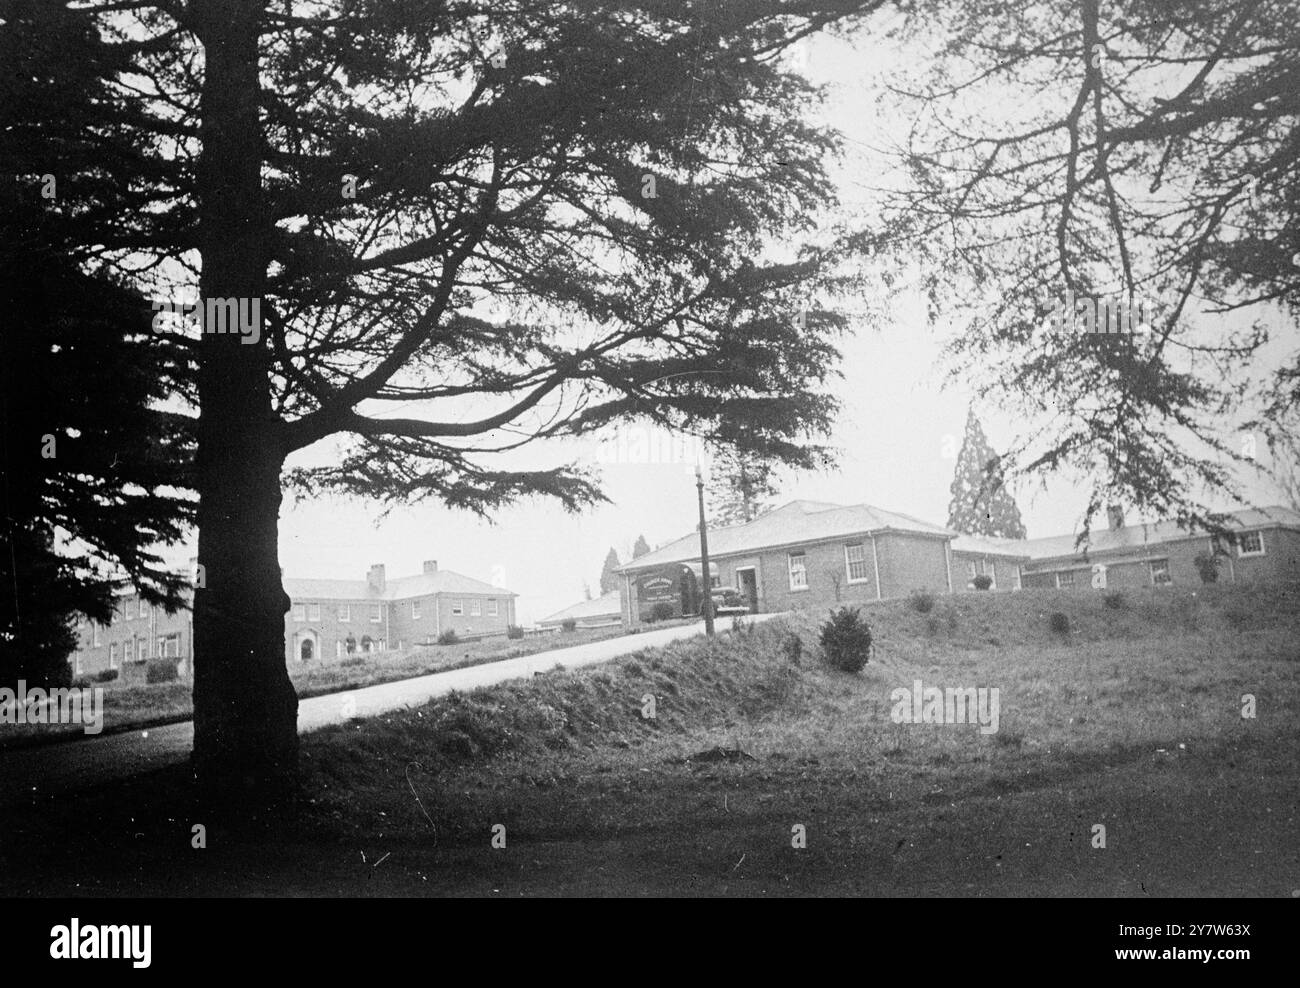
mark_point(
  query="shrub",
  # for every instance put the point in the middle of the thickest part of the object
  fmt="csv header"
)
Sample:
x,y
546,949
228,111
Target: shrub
x,y
568,624
662,611
846,640
81,683
161,671
1207,565
1114,600
792,647
1059,623
356,660
514,631
922,601
983,581
448,637
106,676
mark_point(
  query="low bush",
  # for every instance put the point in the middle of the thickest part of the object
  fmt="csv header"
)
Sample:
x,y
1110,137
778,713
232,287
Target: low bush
x,y
106,676
1113,600
448,637
568,624
983,581
1207,565
921,601
792,647
161,671
1059,623
662,611
514,631
846,640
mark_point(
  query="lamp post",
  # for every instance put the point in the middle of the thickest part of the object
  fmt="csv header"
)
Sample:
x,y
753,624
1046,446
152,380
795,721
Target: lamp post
x,y
706,607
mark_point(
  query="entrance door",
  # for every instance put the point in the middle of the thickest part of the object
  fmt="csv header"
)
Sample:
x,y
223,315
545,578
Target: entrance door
x,y
748,580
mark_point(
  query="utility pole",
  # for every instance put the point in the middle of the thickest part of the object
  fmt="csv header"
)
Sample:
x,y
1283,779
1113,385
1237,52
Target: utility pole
x,y
706,607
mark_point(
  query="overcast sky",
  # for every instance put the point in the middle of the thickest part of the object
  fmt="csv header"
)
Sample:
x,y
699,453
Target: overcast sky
x,y
891,437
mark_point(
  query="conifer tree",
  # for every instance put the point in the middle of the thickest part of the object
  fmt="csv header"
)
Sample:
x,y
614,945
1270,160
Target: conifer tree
x,y
981,504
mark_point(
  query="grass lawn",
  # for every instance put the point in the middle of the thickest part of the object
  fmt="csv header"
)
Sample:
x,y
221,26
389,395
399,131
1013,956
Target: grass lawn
x,y
1132,720
129,707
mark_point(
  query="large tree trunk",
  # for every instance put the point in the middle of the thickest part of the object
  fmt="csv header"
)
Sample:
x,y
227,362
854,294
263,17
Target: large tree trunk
x,y
245,709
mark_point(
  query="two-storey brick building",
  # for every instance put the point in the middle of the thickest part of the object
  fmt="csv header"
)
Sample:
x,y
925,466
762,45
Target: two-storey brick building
x,y
328,620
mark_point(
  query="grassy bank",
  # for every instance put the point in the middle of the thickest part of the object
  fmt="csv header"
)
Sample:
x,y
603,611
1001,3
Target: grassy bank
x,y
133,707
1131,720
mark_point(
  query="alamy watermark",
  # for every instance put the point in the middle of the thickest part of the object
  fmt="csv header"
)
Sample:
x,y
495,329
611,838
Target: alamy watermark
x,y
213,315
954,705
1085,314
77,705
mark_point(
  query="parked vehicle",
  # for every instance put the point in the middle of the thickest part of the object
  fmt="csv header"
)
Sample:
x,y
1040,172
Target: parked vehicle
x,y
729,600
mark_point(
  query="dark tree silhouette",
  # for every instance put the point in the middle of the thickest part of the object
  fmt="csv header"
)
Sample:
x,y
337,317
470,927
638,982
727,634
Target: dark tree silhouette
x,y
640,547
93,473
502,221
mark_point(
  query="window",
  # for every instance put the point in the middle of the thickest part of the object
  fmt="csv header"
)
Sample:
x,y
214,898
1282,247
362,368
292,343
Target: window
x,y
715,581
300,612
76,664
458,607
492,607
144,648
345,613
313,612
112,655
1160,572
376,613
415,610
173,646
476,608
1250,544
798,571
972,570
127,654
98,635
855,558
1065,579
144,608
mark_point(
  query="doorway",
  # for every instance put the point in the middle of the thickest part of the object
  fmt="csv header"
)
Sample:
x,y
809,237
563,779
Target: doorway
x,y
747,578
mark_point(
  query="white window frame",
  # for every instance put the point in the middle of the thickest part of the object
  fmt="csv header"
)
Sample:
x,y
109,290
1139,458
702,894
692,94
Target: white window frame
x,y
345,613
1164,567
476,608
313,612
1062,584
849,562
376,613
801,570
415,609
96,634
112,655
1241,548
76,664
458,607
300,612
493,610
142,649
143,608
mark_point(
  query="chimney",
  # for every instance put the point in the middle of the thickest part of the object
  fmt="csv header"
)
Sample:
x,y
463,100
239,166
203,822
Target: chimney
x,y
375,578
1116,515
431,565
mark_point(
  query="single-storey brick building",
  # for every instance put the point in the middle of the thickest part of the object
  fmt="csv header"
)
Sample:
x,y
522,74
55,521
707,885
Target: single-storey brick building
x,y
1266,547
328,620
1001,560
599,612
810,552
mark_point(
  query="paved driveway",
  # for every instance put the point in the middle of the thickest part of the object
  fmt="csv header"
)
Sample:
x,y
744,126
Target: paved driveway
x,y
71,765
